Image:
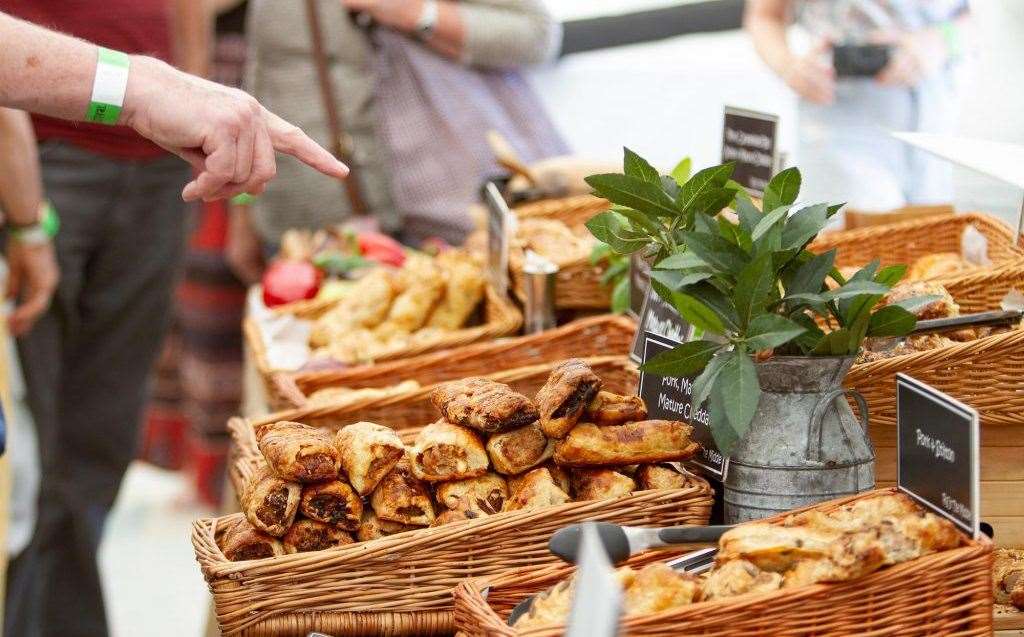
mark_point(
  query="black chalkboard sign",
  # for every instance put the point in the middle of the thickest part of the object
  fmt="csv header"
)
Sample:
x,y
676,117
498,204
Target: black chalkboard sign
x,y
670,398
639,283
499,230
749,139
937,452
660,319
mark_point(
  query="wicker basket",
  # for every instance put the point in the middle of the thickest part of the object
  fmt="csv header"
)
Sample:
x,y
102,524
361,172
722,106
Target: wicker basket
x,y
573,211
907,241
402,584
948,593
501,318
585,337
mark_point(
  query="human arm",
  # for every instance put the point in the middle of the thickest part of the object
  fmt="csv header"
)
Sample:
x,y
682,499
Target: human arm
x,y
918,54
32,267
223,132
485,33
766,22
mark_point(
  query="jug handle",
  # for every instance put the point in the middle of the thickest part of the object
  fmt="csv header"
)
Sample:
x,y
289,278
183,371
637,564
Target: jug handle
x,y
813,451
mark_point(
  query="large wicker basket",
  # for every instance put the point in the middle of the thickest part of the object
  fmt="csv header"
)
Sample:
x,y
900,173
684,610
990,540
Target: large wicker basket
x,y
907,241
573,211
402,584
501,318
948,593
605,334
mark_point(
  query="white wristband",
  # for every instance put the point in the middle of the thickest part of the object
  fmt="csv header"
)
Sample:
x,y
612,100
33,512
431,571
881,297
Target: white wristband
x,y
109,87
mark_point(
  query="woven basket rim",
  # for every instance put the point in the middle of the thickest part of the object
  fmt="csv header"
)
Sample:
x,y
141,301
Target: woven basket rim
x,y
959,218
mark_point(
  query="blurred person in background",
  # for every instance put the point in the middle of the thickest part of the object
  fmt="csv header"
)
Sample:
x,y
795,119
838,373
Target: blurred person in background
x,y
897,71
492,37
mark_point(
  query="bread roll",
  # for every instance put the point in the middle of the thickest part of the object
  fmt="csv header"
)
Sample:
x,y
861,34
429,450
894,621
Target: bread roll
x,y
663,476
239,541
599,484
486,493
401,497
536,489
607,409
372,527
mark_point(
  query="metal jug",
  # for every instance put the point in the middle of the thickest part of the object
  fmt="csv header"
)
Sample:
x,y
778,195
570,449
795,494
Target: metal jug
x,y
804,444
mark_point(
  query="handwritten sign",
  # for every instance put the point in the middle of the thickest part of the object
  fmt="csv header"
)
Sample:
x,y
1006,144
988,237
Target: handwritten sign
x,y
749,139
660,319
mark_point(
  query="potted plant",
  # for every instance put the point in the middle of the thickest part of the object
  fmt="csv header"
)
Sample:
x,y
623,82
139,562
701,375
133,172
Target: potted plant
x,y
781,326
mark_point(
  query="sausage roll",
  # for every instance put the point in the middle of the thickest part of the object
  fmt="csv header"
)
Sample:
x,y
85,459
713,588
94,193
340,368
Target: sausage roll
x,y
663,476
414,304
520,449
464,288
562,399
367,452
269,502
612,409
239,541
738,577
312,535
599,484
458,515
484,405
537,489
486,493
333,502
400,497
588,445
298,452
444,452
372,527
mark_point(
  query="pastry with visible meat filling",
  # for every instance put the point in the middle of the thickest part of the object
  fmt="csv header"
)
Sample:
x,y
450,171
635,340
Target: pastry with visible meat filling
x,y
298,452
312,535
645,441
570,387
445,452
367,452
270,502
332,502
484,405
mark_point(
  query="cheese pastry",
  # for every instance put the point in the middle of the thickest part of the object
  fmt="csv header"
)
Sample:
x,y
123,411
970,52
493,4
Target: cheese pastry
x,y
366,306
367,452
536,489
269,502
599,484
518,450
333,502
401,497
486,493
464,289
458,515
942,307
663,476
372,527
311,535
739,577
298,452
413,305
561,401
239,541
483,404
588,445
445,452
607,408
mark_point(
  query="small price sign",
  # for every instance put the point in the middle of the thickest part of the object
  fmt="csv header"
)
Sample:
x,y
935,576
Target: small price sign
x,y
639,283
660,319
938,452
500,225
749,139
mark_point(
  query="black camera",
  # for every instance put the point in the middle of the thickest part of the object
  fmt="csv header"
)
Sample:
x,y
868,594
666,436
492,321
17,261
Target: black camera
x,y
860,60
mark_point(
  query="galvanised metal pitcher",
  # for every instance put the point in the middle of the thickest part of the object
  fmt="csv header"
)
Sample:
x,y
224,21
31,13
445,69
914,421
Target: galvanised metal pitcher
x,y
804,444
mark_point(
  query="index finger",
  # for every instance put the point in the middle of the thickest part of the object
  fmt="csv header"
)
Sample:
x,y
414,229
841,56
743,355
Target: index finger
x,y
290,139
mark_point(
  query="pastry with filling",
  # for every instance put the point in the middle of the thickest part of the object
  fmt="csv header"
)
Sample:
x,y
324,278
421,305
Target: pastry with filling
x,y
663,476
1008,577
607,408
332,502
942,307
464,289
484,405
739,577
939,264
458,515
645,441
518,450
599,484
536,490
239,541
298,452
445,452
312,535
570,387
372,527
270,502
365,306
486,493
401,497
339,396
423,287
367,452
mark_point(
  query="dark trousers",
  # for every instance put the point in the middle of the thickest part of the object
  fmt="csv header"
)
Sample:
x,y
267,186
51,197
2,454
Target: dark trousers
x,y
86,364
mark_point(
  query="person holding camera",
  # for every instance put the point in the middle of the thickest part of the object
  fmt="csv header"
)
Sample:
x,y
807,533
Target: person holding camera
x,y
873,67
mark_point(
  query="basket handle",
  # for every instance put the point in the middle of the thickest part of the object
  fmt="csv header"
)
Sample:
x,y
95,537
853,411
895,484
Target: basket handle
x,y
813,450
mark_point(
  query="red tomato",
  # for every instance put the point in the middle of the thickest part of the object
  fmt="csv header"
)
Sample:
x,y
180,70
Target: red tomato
x,y
286,281
381,248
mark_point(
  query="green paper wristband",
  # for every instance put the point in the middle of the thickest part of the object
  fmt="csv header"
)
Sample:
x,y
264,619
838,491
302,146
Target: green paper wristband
x,y
243,199
109,87
951,35
50,221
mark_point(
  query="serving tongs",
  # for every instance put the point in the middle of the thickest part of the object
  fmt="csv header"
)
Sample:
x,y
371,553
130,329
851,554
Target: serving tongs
x,y
620,542
978,319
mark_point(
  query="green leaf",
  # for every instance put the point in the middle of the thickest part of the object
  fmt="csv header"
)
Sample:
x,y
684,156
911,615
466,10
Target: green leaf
x,y
683,361
855,288
635,193
768,331
783,189
833,209
697,313
803,226
716,252
890,275
702,384
615,270
680,260
723,433
600,252
741,193
676,280
681,173
738,383
858,330
812,335
705,224
620,296
714,296
748,213
835,343
810,277
704,181
766,222
636,166
710,202
891,320
752,287
610,228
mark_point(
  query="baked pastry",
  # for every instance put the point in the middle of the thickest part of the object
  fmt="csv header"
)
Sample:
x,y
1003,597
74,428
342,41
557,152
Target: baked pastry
x,y
561,401
239,541
366,306
738,577
939,264
607,408
484,405
1008,577
486,493
663,476
553,240
445,452
773,547
372,527
599,484
311,535
298,452
270,502
535,490
588,445
367,452
943,307
343,395
401,497
458,515
333,502
423,287
464,289
518,450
